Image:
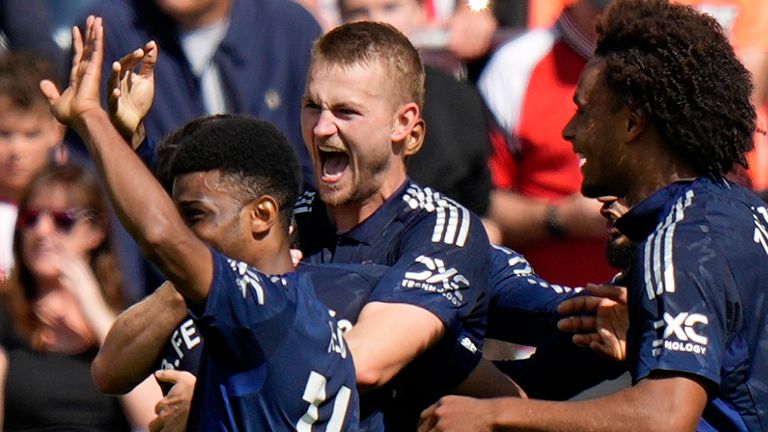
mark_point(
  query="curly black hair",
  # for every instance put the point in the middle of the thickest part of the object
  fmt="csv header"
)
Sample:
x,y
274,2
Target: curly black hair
x,y
676,66
253,157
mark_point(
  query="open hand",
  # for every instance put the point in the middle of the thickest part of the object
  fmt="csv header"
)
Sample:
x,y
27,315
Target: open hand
x,y
82,94
131,91
600,320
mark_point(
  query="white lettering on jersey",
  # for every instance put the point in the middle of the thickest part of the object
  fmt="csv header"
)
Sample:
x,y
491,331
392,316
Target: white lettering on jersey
x,y
186,335
247,278
437,278
682,333
658,261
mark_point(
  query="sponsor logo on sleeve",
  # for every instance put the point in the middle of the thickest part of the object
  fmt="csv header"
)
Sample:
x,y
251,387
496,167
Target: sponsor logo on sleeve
x,y
682,333
437,278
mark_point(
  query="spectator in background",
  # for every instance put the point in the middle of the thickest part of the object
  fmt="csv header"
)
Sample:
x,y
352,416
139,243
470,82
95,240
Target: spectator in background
x,y
528,85
28,136
221,56
57,309
236,56
28,27
454,156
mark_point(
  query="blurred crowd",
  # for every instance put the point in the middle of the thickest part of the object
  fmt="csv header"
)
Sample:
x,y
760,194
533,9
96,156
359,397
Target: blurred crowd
x,y
499,77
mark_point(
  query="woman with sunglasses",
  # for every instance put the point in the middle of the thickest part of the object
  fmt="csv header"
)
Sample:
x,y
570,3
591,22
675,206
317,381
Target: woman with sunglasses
x,y
57,308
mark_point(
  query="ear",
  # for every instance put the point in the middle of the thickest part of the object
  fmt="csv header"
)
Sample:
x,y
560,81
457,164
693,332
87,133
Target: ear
x,y
409,128
636,122
264,214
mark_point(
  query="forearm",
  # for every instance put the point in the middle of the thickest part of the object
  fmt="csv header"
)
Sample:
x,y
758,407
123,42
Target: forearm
x,y
386,337
522,220
139,403
134,344
142,205
130,185
639,406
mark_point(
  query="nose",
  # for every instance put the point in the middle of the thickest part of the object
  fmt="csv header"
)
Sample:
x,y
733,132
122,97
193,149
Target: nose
x,y
44,225
568,130
325,125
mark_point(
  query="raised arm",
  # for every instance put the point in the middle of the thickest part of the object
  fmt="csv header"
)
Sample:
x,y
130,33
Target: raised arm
x,y
144,208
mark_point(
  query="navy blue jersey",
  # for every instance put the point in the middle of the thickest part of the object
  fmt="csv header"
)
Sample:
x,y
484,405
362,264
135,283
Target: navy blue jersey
x,y
438,254
274,357
697,303
523,306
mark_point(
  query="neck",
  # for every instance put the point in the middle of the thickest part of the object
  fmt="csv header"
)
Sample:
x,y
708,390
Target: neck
x,y
346,216
219,11
273,260
659,170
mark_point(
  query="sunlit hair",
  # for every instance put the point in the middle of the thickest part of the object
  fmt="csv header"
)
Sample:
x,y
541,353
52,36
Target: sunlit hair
x,y
676,66
20,76
83,191
365,43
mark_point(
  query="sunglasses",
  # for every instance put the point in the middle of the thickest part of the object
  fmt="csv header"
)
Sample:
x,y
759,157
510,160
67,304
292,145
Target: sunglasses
x,y
63,220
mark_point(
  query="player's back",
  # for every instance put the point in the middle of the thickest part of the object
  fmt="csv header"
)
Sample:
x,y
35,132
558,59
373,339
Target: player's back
x,y
274,357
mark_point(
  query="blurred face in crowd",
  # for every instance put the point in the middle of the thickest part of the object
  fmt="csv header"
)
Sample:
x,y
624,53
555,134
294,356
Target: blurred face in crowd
x,y
27,138
54,222
353,127
597,131
209,207
408,16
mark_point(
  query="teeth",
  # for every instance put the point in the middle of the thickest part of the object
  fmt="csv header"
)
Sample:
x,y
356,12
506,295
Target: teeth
x,y
582,160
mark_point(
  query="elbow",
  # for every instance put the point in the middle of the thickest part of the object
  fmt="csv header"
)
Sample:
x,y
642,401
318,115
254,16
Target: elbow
x,y
101,377
157,236
105,379
369,377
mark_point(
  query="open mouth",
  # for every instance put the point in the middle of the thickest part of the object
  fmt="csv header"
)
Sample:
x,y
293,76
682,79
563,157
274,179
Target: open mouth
x,y
333,162
582,159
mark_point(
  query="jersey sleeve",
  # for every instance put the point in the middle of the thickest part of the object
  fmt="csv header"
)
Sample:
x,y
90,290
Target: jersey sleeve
x,y
246,315
443,267
678,307
523,306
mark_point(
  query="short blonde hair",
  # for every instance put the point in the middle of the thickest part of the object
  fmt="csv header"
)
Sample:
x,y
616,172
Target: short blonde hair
x,y
367,42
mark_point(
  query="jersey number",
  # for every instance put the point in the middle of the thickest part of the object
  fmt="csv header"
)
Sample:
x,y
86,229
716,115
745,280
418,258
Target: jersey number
x,y
314,393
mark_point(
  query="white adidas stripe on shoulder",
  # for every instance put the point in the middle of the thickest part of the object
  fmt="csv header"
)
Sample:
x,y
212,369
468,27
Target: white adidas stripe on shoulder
x,y
304,202
452,224
657,256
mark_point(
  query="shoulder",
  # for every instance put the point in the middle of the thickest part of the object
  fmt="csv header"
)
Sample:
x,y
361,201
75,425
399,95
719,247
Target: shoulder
x,y
448,221
305,203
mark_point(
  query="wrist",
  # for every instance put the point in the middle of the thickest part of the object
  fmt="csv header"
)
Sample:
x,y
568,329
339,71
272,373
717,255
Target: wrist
x,y
553,224
85,119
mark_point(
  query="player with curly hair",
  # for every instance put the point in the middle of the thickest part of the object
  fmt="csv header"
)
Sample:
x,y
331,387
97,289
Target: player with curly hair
x,y
663,114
